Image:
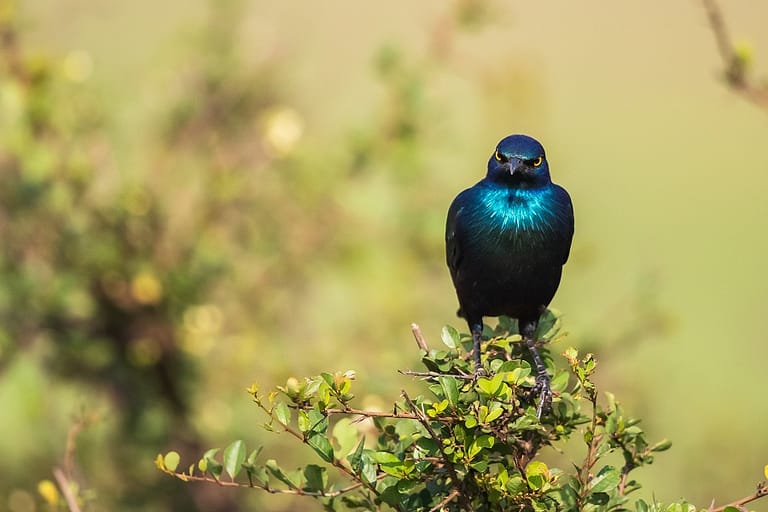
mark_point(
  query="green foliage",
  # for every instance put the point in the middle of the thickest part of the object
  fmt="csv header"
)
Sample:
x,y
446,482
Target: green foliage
x,y
467,443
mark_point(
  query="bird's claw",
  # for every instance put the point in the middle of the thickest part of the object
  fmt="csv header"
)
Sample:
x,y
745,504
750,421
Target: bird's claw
x,y
544,391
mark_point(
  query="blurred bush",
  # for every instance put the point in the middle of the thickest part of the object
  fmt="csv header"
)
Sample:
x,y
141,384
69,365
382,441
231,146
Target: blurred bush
x,y
117,280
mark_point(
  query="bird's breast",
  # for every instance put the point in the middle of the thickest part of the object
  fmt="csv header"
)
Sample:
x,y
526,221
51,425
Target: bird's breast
x,y
510,213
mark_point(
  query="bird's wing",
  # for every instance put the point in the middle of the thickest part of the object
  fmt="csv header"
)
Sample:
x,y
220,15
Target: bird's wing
x,y
453,237
566,211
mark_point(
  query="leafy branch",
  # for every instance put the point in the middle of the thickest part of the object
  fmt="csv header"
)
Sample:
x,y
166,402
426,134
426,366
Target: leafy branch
x,y
736,60
465,444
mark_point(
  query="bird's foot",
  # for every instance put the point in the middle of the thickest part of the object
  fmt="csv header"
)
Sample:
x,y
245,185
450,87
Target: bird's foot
x,y
543,389
480,372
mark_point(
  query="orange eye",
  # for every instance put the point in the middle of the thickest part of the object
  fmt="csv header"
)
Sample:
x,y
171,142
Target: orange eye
x,y
538,161
497,155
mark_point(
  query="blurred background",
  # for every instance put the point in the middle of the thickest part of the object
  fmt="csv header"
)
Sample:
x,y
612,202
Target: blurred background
x,y
198,195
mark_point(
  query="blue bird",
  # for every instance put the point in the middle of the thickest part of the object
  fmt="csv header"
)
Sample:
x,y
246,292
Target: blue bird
x,y
507,239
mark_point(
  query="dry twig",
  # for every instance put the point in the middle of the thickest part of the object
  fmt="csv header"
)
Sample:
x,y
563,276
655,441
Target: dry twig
x,y
736,72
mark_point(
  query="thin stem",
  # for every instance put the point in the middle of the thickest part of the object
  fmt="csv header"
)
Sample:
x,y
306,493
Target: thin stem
x,y
419,337
271,490
589,460
373,414
446,501
66,490
735,69
335,462
455,481
436,374
762,490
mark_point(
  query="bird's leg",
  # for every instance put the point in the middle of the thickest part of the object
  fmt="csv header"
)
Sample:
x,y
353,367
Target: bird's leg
x,y
477,338
528,330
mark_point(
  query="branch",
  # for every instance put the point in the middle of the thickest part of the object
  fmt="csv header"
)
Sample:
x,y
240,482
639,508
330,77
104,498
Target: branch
x,y
435,374
296,491
335,462
66,490
375,414
446,501
735,65
762,490
456,483
419,337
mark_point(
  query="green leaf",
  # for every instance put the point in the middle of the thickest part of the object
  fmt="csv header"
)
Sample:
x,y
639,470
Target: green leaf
x,y
450,388
234,456
516,485
484,441
254,454
303,421
355,458
171,461
283,413
320,443
260,474
537,474
345,434
450,337
208,463
490,386
318,422
549,325
605,480
641,506
494,413
666,444
273,468
328,378
598,498
368,471
559,382
316,478
385,458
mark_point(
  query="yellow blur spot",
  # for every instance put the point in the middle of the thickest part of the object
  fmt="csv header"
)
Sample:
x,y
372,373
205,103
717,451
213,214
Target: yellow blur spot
x,y
204,319
283,128
77,66
49,492
202,325
146,288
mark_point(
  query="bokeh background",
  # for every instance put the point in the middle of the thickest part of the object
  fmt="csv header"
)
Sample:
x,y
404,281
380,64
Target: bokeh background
x,y
198,195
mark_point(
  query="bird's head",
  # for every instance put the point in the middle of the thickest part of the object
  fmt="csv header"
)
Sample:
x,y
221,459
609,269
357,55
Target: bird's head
x,y
520,160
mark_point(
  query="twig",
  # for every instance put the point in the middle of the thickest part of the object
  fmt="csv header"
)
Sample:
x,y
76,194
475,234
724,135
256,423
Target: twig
x,y
419,337
436,374
373,414
583,474
624,475
66,490
447,500
271,490
335,462
735,67
455,482
762,490
74,432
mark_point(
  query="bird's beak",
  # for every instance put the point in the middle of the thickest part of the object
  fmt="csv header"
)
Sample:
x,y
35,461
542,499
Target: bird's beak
x,y
515,165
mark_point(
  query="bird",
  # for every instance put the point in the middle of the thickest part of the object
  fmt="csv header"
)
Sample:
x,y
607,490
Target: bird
x,y
507,239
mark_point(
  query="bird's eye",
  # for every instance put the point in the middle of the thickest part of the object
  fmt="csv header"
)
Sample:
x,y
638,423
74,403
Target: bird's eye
x,y
537,162
498,156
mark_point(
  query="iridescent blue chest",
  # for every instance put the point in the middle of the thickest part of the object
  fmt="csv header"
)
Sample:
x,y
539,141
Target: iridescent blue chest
x,y
505,214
